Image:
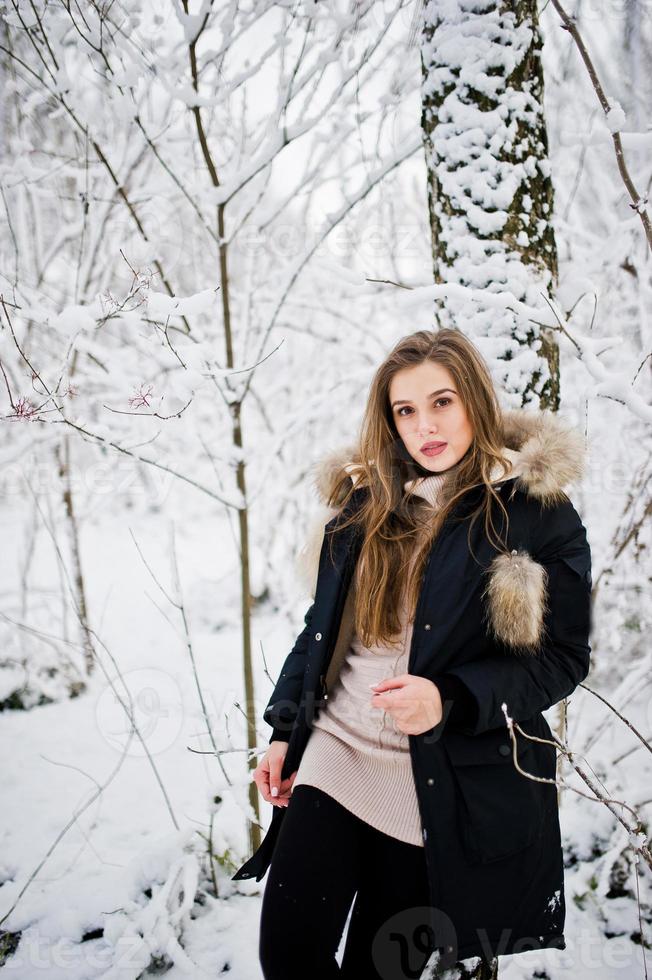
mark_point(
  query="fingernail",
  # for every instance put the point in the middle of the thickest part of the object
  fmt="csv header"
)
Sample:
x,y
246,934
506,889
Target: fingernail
x,y
274,790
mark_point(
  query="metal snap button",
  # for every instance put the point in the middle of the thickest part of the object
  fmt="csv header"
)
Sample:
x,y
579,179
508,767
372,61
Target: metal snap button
x,y
427,626
430,781
504,749
318,636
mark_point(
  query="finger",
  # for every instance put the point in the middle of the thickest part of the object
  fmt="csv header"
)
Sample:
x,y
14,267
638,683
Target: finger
x,y
389,683
380,685
287,782
385,699
275,767
286,789
261,779
285,792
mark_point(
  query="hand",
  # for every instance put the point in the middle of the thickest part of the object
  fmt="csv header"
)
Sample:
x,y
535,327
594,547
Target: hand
x,y
267,775
413,702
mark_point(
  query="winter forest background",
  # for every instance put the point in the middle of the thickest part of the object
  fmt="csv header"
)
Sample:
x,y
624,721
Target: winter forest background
x,y
216,219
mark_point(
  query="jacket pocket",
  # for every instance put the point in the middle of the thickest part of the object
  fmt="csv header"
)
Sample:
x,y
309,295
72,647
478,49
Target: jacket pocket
x,y
581,565
500,811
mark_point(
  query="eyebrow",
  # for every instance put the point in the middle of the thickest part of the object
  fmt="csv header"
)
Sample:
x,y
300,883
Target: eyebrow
x,y
432,394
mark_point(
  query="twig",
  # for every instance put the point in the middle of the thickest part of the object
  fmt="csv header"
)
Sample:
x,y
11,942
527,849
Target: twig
x,y
637,839
618,714
638,204
179,605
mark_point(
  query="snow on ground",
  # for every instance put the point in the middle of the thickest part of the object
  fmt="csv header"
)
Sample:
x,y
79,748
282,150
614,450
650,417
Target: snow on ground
x,y
123,866
125,841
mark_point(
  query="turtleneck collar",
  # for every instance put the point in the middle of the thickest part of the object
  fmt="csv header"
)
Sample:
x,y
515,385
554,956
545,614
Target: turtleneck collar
x,y
429,487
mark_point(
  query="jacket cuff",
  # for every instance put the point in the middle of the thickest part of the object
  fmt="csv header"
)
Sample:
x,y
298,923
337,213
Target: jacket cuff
x,y
279,736
463,710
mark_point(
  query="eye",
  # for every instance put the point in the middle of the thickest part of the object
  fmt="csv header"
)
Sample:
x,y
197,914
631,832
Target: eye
x,y
438,401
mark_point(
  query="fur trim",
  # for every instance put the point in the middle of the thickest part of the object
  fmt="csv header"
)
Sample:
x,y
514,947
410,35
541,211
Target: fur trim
x,y
327,470
551,455
517,600
307,559
325,473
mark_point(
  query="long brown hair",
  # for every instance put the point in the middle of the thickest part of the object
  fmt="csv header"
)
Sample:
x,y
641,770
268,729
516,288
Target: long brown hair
x,y
397,527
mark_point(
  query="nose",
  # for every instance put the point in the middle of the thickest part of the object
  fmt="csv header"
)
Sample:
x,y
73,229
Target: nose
x,y
426,426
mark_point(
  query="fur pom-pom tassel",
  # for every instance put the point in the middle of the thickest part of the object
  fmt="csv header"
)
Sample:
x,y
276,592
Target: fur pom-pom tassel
x,y
517,600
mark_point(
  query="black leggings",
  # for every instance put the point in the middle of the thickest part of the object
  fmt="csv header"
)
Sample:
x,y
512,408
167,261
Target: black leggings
x,y
323,856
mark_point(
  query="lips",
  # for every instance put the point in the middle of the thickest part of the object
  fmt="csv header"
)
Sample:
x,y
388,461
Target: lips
x,y
432,445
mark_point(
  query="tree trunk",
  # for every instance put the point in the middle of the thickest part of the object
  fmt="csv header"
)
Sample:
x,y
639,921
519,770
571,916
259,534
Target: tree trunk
x,y
63,459
490,195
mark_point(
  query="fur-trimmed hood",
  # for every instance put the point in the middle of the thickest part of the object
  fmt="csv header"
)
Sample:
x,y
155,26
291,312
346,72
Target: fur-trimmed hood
x,y
546,456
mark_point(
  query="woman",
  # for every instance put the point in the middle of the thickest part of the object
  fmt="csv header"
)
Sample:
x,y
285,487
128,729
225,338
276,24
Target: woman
x,y
454,575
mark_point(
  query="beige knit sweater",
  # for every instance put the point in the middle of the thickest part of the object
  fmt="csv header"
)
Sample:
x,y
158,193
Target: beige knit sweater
x,y
355,753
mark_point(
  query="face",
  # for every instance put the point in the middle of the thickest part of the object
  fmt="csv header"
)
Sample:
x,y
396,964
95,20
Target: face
x,y
428,412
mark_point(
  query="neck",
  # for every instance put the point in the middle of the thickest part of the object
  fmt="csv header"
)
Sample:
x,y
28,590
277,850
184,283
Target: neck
x,y
420,470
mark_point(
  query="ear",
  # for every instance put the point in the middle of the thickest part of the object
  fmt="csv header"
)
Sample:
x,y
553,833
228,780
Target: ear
x,y
517,600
